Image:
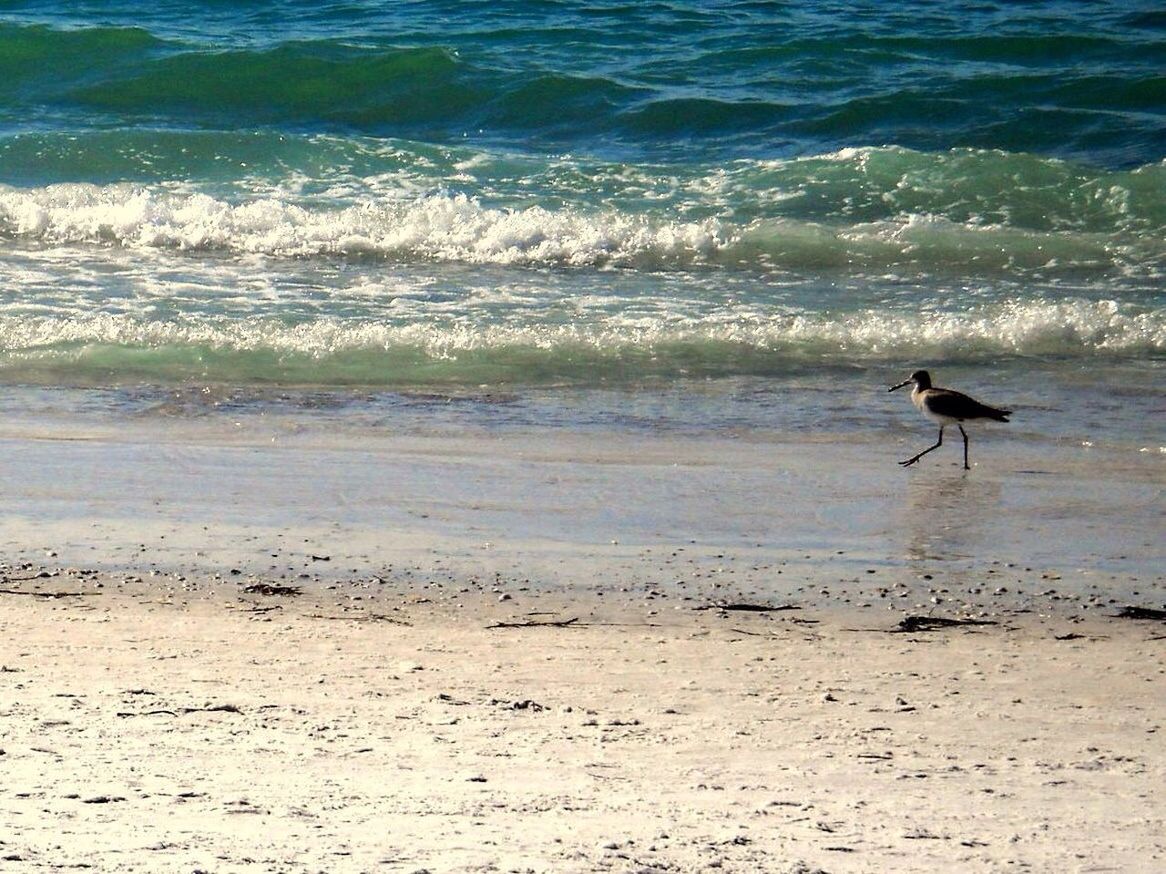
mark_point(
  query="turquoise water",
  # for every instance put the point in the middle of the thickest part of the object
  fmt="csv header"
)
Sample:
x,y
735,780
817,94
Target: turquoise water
x,y
562,198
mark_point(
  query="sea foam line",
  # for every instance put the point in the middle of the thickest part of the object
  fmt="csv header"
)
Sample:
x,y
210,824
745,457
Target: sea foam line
x,y
1071,327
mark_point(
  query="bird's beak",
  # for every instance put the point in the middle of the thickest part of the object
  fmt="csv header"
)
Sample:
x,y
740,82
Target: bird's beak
x,y
900,385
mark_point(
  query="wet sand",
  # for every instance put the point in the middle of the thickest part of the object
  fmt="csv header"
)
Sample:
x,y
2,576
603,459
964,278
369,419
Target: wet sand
x,y
483,652
558,509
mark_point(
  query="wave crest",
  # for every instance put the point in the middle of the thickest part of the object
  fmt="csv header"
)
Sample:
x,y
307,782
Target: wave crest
x,y
438,227
108,348
460,228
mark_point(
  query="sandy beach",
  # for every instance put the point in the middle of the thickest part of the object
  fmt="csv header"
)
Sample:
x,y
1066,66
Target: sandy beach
x,y
147,730
282,652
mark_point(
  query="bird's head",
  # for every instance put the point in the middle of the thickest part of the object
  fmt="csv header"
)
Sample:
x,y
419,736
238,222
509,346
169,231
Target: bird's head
x,y
920,378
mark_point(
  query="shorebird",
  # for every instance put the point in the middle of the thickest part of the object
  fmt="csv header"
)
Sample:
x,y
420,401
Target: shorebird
x,y
946,407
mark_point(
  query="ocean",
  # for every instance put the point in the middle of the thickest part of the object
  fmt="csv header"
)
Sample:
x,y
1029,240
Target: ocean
x,y
722,217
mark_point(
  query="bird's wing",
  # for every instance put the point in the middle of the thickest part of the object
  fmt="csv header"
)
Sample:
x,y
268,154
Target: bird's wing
x,y
957,405
945,402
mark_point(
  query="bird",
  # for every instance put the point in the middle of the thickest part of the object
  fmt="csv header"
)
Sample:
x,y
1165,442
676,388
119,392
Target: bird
x,y
946,407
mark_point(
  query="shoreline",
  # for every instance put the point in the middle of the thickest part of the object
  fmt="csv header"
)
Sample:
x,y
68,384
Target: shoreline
x,y
821,518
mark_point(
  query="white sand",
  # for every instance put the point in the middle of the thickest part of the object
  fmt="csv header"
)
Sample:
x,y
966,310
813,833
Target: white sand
x,y
700,740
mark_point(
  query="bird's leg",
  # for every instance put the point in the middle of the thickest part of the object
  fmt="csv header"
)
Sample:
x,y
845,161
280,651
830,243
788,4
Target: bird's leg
x,y
915,458
965,433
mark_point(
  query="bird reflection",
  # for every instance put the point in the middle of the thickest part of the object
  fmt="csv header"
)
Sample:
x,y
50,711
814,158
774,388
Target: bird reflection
x,y
950,517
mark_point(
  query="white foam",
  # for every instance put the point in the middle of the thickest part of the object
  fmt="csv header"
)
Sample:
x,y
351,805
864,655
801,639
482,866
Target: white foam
x,y
400,218
1071,328
436,226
